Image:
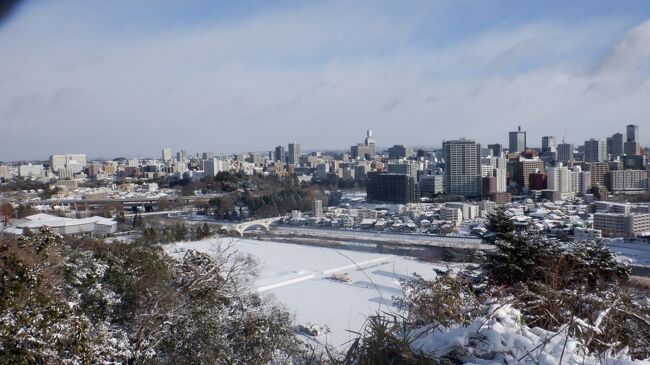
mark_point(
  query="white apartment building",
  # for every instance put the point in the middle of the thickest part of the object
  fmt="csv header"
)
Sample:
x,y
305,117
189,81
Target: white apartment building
x,y
621,224
627,180
213,166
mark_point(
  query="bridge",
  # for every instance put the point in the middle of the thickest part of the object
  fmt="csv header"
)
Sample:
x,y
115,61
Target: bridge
x,y
242,227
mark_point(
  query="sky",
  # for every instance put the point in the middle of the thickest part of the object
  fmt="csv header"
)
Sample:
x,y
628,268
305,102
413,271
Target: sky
x,y
128,78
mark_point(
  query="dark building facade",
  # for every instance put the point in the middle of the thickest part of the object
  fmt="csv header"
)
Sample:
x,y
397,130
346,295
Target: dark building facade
x,y
537,181
392,188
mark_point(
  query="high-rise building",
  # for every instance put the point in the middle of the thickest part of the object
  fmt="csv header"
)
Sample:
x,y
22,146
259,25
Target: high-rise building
x,y
522,168
549,144
559,179
632,133
615,144
392,188
294,153
537,180
406,168
494,162
69,163
580,181
463,167
599,172
500,174
166,154
637,162
565,152
431,185
4,172
632,148
213,166
627,180
365,150
181,155
370,141
595,151
399,151
496,149
280,154
517,140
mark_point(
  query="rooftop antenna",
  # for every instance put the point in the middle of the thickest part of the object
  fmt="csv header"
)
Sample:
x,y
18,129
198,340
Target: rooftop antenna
x,y
564,136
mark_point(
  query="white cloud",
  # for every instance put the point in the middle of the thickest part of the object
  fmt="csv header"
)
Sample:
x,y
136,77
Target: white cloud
x,y
317,74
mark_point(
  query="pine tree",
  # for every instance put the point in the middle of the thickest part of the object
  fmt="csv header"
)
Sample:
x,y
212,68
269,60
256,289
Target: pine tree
x,y
499,227
180,231
203,231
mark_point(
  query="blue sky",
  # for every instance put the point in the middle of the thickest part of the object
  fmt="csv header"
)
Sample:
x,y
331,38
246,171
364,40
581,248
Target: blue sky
x,y
130,77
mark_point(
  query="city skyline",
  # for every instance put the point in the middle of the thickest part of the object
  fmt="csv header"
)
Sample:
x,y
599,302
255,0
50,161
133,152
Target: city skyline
x,y
217,76
386,148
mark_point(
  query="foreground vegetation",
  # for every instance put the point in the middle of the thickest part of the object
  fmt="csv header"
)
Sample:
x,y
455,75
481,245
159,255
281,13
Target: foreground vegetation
x,y
533,300
85,302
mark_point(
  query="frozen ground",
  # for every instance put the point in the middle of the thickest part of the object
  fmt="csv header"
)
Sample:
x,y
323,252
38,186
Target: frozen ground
x,y
635,252
298,276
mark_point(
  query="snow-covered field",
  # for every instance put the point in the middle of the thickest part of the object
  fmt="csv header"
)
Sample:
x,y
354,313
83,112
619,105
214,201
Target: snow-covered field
x,y
299,277
636,252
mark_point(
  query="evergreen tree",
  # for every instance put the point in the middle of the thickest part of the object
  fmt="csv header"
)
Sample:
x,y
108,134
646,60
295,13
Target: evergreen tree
x,y
203,231
149,234
120,218
516,258
180,231
499,227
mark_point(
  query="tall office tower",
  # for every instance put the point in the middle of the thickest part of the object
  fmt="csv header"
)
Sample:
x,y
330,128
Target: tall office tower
x,y
549,144
496,149
280,154
365,150
559,179
294,153
632,148
518,140
595,151
166,154
181,156
463,167
370,142
615,144
565,152
632,133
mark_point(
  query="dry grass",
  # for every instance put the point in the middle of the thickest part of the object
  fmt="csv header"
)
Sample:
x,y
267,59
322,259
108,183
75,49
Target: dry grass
x,y
641,283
